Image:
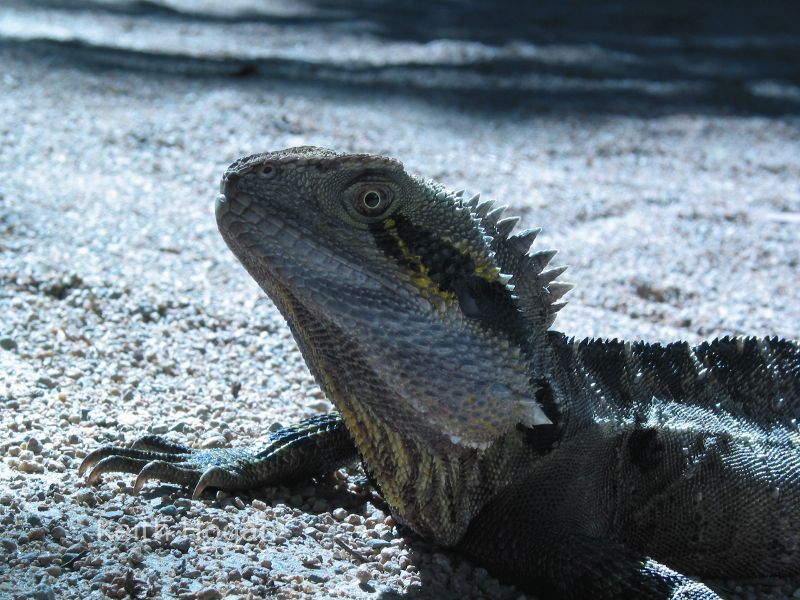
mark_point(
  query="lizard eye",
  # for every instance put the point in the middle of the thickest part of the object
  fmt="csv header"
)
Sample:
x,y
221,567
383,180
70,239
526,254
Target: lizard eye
x,y
373,202
268,171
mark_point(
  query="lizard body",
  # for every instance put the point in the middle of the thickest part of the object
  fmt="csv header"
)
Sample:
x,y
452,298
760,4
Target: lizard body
x,y
586,468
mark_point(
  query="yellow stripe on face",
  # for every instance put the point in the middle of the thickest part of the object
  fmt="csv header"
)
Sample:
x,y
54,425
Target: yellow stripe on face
x,y
453,275
419,274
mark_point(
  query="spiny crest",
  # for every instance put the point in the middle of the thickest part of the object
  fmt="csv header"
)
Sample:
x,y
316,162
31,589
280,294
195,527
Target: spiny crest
x,y
468,235
534,286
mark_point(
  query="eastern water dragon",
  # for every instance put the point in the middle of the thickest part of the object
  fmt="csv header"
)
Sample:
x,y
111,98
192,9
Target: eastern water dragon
x,y
573,468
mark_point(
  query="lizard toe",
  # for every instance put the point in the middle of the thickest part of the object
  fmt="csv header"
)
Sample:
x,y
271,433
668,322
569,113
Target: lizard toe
x,y
309,449
113,464
103,452
181,473
96,456
160,444
215,476
125,460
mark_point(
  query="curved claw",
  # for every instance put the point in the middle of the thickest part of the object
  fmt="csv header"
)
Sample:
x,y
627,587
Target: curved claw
x,y
115,463
211,477
97,455
159,469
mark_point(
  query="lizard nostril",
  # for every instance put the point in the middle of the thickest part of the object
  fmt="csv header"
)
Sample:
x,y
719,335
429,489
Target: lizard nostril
x,y
268,171
228,182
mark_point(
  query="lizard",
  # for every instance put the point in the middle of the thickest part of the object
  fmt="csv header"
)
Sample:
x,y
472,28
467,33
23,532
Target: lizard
x,y
572,468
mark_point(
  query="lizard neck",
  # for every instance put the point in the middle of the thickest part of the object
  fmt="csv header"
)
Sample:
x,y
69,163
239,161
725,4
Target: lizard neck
x,y
433,485
436,492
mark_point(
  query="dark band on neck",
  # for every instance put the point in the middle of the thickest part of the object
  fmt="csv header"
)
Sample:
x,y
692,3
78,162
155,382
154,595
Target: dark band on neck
x,y
453,272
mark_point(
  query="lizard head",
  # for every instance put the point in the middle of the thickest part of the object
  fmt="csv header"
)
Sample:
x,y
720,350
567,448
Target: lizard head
x,y
410,302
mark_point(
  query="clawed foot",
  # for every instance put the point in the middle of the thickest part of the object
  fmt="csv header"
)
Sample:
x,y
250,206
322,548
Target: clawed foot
x,y
155,457
307,449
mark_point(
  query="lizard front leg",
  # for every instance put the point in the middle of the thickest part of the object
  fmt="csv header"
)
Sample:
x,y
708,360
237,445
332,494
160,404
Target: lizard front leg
x,y
528,536
308,449
552,531
575,566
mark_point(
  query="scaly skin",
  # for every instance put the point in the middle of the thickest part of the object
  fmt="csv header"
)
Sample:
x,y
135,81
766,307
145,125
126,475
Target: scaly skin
x,y
578,469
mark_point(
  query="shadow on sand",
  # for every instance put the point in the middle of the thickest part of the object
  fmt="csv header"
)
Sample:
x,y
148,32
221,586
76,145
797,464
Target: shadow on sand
x,y
596,58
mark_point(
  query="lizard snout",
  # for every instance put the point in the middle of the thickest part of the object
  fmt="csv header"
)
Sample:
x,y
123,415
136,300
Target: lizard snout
x,y
228,183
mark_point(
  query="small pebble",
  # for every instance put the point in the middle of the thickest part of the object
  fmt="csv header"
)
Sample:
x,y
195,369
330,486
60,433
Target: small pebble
x,y
7,343
86,496
46,382
363,574
55,466
34,445
44,559
182,543
44,592
27,466
388,554
354,519
312,562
